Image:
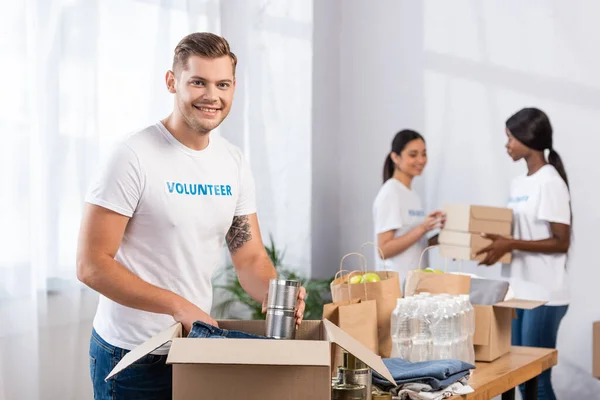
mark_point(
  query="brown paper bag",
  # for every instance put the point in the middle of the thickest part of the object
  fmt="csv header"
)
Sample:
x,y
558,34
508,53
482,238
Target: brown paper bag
x,y
385,292
356,317
418,281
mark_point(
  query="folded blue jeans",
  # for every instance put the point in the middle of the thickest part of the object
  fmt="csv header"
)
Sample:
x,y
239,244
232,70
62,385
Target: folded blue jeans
x,y
203,330
436,373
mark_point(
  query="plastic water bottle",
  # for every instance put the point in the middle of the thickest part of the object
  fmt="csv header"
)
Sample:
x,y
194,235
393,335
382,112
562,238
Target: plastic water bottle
x,y
421,331
400,329
443,331
470,325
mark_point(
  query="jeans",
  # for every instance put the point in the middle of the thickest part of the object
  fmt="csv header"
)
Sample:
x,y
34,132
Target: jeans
x,y
539,328
148,378
436,373
202,330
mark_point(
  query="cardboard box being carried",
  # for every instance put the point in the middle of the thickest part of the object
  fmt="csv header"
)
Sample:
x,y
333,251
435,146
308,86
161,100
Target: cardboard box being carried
x,y
478,219
253,369
463,246
493,326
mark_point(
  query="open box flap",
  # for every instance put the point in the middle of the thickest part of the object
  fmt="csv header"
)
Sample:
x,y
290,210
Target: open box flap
x,y
354,347
517,303
147,347
249,352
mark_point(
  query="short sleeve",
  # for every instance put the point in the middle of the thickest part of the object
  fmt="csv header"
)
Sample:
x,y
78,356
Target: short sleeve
x,y
555,202
387,211
246,203
119,183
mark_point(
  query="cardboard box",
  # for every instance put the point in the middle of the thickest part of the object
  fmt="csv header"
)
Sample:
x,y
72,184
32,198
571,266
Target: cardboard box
x,y
463,245
478,219
493,327
596,349
255,369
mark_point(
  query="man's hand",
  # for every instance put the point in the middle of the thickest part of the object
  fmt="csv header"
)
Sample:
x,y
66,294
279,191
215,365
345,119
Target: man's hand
x,y
189,313
498,248
300,305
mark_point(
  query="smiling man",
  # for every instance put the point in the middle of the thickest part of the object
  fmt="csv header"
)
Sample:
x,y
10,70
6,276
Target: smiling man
x,y
156,219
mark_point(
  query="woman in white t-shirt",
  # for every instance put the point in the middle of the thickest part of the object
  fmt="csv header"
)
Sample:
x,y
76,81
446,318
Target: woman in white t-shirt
x,y
541,235
400,222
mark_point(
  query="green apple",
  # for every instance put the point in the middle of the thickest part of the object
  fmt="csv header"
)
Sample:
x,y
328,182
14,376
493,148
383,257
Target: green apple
x,y
356,279
427,270
371,277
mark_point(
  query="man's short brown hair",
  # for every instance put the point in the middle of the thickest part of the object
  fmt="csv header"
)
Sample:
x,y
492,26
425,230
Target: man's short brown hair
x,y
203,44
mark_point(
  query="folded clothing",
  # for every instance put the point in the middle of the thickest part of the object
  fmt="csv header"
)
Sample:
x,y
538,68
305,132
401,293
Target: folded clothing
x,y
416,391
436,373
204,330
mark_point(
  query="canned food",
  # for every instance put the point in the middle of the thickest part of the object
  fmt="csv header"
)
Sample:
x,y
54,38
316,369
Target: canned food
x,y
349,392
283,294
281,324
350,361
381,396
361,376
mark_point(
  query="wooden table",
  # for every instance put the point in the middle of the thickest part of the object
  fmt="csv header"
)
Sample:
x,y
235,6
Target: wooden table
x,y
502,376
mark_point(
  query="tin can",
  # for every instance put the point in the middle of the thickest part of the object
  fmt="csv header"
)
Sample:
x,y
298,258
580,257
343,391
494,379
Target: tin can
x,y
350,361
350,376
281,324
381,396
283,294
349,392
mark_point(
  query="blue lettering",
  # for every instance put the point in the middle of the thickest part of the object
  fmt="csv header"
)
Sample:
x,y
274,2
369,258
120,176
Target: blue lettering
x,y
518,199
211,190
416,213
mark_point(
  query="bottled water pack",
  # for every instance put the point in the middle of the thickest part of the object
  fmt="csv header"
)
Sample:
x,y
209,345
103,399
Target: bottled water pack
x,y
433,327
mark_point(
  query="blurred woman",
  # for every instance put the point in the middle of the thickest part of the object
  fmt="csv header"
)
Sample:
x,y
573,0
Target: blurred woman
x,y
541,235
401,224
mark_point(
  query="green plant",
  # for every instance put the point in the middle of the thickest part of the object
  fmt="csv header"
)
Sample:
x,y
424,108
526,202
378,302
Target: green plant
x,y
233,294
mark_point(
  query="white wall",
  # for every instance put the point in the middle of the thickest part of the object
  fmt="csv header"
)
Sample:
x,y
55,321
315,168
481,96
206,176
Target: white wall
x,y
455,71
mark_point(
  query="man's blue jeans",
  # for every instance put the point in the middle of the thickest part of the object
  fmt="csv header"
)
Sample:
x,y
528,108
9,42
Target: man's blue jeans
x,y
539,328
148,378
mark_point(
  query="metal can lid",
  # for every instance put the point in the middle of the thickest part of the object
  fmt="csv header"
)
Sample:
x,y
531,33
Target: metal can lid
x,y
347,387
284,282
349,392
381,396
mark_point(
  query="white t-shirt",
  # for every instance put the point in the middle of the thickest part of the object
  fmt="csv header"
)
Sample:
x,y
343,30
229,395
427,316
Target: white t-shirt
x,y
181,203
397,207
538,200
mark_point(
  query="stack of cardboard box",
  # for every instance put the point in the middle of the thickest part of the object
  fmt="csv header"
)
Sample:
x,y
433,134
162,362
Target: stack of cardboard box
x,y
461,237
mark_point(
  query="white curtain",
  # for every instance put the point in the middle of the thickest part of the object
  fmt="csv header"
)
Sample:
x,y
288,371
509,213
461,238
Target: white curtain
x,y
77,76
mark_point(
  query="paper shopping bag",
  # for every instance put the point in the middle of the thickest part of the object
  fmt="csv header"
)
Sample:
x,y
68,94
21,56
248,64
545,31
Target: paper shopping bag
x,y
435,281
384,292
356,317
